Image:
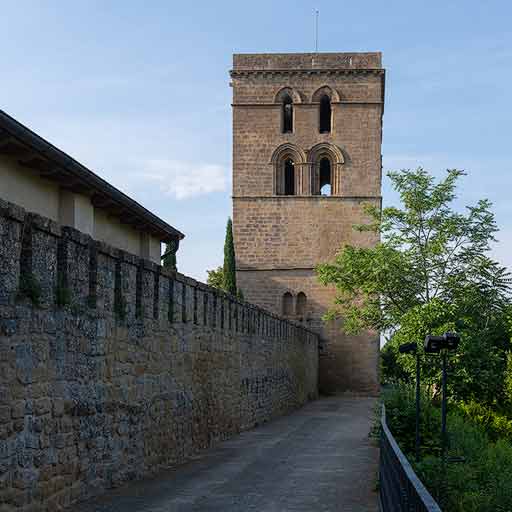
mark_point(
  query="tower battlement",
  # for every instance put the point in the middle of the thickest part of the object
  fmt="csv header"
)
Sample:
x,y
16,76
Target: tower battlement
x,y
306,61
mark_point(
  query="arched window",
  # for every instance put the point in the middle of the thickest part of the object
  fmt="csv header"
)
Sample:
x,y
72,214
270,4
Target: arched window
x,y
325,114
289,177
325,177
301,304
287,114
287,304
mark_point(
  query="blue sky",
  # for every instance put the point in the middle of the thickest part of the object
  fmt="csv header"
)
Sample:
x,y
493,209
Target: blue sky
x,y
138,91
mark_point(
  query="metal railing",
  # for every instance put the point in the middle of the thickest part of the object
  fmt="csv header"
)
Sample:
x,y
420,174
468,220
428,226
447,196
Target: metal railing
x,y
400,488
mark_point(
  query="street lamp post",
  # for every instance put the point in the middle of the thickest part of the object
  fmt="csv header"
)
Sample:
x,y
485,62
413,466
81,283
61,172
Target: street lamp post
x,y
442,344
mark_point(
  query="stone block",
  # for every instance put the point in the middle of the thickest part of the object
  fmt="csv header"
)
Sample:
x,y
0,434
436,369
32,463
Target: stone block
x,y
18,409
5,414
42,406
58,408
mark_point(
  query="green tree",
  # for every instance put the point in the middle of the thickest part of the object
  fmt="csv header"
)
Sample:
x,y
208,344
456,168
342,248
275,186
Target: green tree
x,y
229,269
225,277
216,277
169,256
508,381
429,273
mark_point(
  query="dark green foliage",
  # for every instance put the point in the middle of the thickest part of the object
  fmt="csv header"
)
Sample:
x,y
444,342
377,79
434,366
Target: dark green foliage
x,y
169,256
30,288
476,370
479,484
427,252
91,301
429,274
507,381
224,277
229,269
120,307
401,417
62,293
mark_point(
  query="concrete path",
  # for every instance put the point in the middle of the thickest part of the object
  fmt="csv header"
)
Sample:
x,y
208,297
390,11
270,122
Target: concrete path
x,y
317,459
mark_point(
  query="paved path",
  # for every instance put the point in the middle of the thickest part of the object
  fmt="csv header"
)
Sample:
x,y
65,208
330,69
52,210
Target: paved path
x,y
317,459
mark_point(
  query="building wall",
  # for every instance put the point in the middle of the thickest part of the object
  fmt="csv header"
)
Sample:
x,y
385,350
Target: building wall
x,y
287,232
279,240
27,189
116,234
257,130
77,211
113,367
346,362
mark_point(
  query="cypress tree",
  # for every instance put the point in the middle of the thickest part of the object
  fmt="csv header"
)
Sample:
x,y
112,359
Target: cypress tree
x,y
169,256
229,260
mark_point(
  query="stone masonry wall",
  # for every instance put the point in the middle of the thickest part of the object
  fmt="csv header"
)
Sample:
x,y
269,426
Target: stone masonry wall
x,y
112,368
280,239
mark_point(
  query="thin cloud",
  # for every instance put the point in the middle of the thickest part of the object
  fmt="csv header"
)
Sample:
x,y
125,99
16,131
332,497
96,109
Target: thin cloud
x,y
183,180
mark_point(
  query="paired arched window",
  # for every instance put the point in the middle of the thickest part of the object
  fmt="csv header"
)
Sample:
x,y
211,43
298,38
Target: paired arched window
x,y
325,177
300,305
325,114
317,172
287,114
287,304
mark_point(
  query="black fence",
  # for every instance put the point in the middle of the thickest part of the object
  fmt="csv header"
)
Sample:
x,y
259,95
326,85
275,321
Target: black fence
x,y
400,488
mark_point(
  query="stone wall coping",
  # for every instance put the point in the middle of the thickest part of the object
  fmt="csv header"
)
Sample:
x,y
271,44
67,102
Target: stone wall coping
x,y
111,251
150,265
18,214
11,211
121,255
43,224
75,236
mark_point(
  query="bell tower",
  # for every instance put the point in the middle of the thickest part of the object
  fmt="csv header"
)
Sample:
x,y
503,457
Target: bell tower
x,y
307,132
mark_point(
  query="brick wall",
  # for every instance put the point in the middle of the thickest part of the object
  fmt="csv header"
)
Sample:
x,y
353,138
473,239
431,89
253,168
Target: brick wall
x,y
112,367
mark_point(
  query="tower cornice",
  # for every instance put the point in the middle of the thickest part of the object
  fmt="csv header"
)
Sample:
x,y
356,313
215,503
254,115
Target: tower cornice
x,y
239,73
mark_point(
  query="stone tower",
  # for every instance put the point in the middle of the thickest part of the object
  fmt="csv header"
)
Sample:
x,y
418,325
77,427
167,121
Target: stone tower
x,y
307,130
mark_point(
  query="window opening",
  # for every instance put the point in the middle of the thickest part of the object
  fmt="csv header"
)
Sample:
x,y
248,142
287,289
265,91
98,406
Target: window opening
x,y
287,304
287,114
289,177
301,304
325,114
325,177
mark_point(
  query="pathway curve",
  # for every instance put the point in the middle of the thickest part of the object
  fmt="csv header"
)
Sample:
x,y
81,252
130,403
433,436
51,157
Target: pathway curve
x,y
316,459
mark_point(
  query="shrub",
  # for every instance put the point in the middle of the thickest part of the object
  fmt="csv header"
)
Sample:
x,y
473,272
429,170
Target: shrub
x,y
401,417
496,425
482,482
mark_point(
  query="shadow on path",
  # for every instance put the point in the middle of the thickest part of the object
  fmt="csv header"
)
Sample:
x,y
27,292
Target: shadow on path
x,y
317,459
